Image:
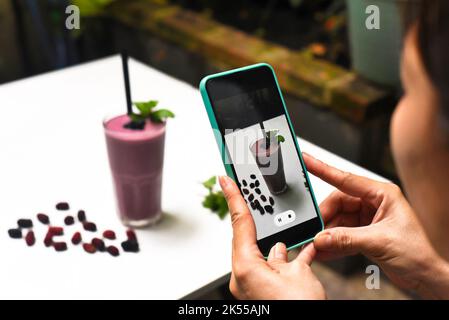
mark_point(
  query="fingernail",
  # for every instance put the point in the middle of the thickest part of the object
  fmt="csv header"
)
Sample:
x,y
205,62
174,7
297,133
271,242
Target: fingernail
x,y
279,251
325,239
223,181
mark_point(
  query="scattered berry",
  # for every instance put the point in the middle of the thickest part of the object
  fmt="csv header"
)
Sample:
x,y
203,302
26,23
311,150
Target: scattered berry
x,y
99,244
56,231
63,206
48,239
15,233
25,223
43,218
271,201
130,246
269,209
60,246
30,239
113,251
253,176
89,248
90,226
81,216
69,220
109,234
76,238
131,235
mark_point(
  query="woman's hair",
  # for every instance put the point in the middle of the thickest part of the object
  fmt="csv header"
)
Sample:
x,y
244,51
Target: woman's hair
x,y
431,18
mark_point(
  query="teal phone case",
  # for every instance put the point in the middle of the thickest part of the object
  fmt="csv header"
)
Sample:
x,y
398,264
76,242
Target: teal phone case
x,y
222,147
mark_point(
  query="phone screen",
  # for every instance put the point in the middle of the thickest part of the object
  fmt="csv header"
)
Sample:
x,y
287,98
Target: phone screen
x,y
261,150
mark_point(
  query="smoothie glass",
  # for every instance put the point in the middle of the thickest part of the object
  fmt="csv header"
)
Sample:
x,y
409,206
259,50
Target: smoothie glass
x,y
136,160
271,165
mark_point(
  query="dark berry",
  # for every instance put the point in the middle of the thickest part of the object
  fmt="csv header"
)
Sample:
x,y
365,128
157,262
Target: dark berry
x,y
269,209
30,239
98,244
63,206
15,233
261,210
244,183
257,203
130,246
245,191
251,185
43,218
135,125
88,247
113,251
60,246
90,226
251,197
69,220
263,198
81,216
109,234
253,176
76,238
257,183
253,205
25,223
131,235
56,231
258,191
48,240
272,201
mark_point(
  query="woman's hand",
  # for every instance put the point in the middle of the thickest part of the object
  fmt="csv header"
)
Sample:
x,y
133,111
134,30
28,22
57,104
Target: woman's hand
x,y
374,218
252,276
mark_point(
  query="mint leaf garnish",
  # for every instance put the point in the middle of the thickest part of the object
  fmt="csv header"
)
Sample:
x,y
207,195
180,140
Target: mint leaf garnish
x,y
161,115
215,200
146,111
272,136
146,107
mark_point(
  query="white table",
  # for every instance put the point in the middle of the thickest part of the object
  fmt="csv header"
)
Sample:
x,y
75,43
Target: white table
x,y
52,149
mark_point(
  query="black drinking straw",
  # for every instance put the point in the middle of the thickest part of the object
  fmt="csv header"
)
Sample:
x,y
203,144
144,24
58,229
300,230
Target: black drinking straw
x,y
127,86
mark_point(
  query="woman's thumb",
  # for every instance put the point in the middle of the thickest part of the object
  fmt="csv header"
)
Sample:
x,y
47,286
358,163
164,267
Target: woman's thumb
x,y
346,241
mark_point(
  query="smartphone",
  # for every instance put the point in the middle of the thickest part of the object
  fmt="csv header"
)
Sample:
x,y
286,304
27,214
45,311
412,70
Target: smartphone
x,y
260,152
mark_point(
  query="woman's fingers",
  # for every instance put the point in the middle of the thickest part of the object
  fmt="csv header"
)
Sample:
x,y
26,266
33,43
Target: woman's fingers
x,y
307,254
351,184
244,230
338,203
347,241
277,255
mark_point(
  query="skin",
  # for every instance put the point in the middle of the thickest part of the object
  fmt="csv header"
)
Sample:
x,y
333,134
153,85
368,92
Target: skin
x,y
416,133
363,215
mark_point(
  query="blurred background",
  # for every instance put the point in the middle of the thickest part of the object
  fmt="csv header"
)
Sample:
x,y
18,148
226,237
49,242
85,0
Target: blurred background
x,y
341,80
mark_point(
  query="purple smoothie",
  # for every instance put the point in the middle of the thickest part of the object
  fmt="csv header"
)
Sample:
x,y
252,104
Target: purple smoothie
x,y
271,165
136,159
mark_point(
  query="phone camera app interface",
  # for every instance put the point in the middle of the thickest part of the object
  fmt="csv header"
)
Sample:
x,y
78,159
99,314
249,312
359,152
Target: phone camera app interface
x,y
263,154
